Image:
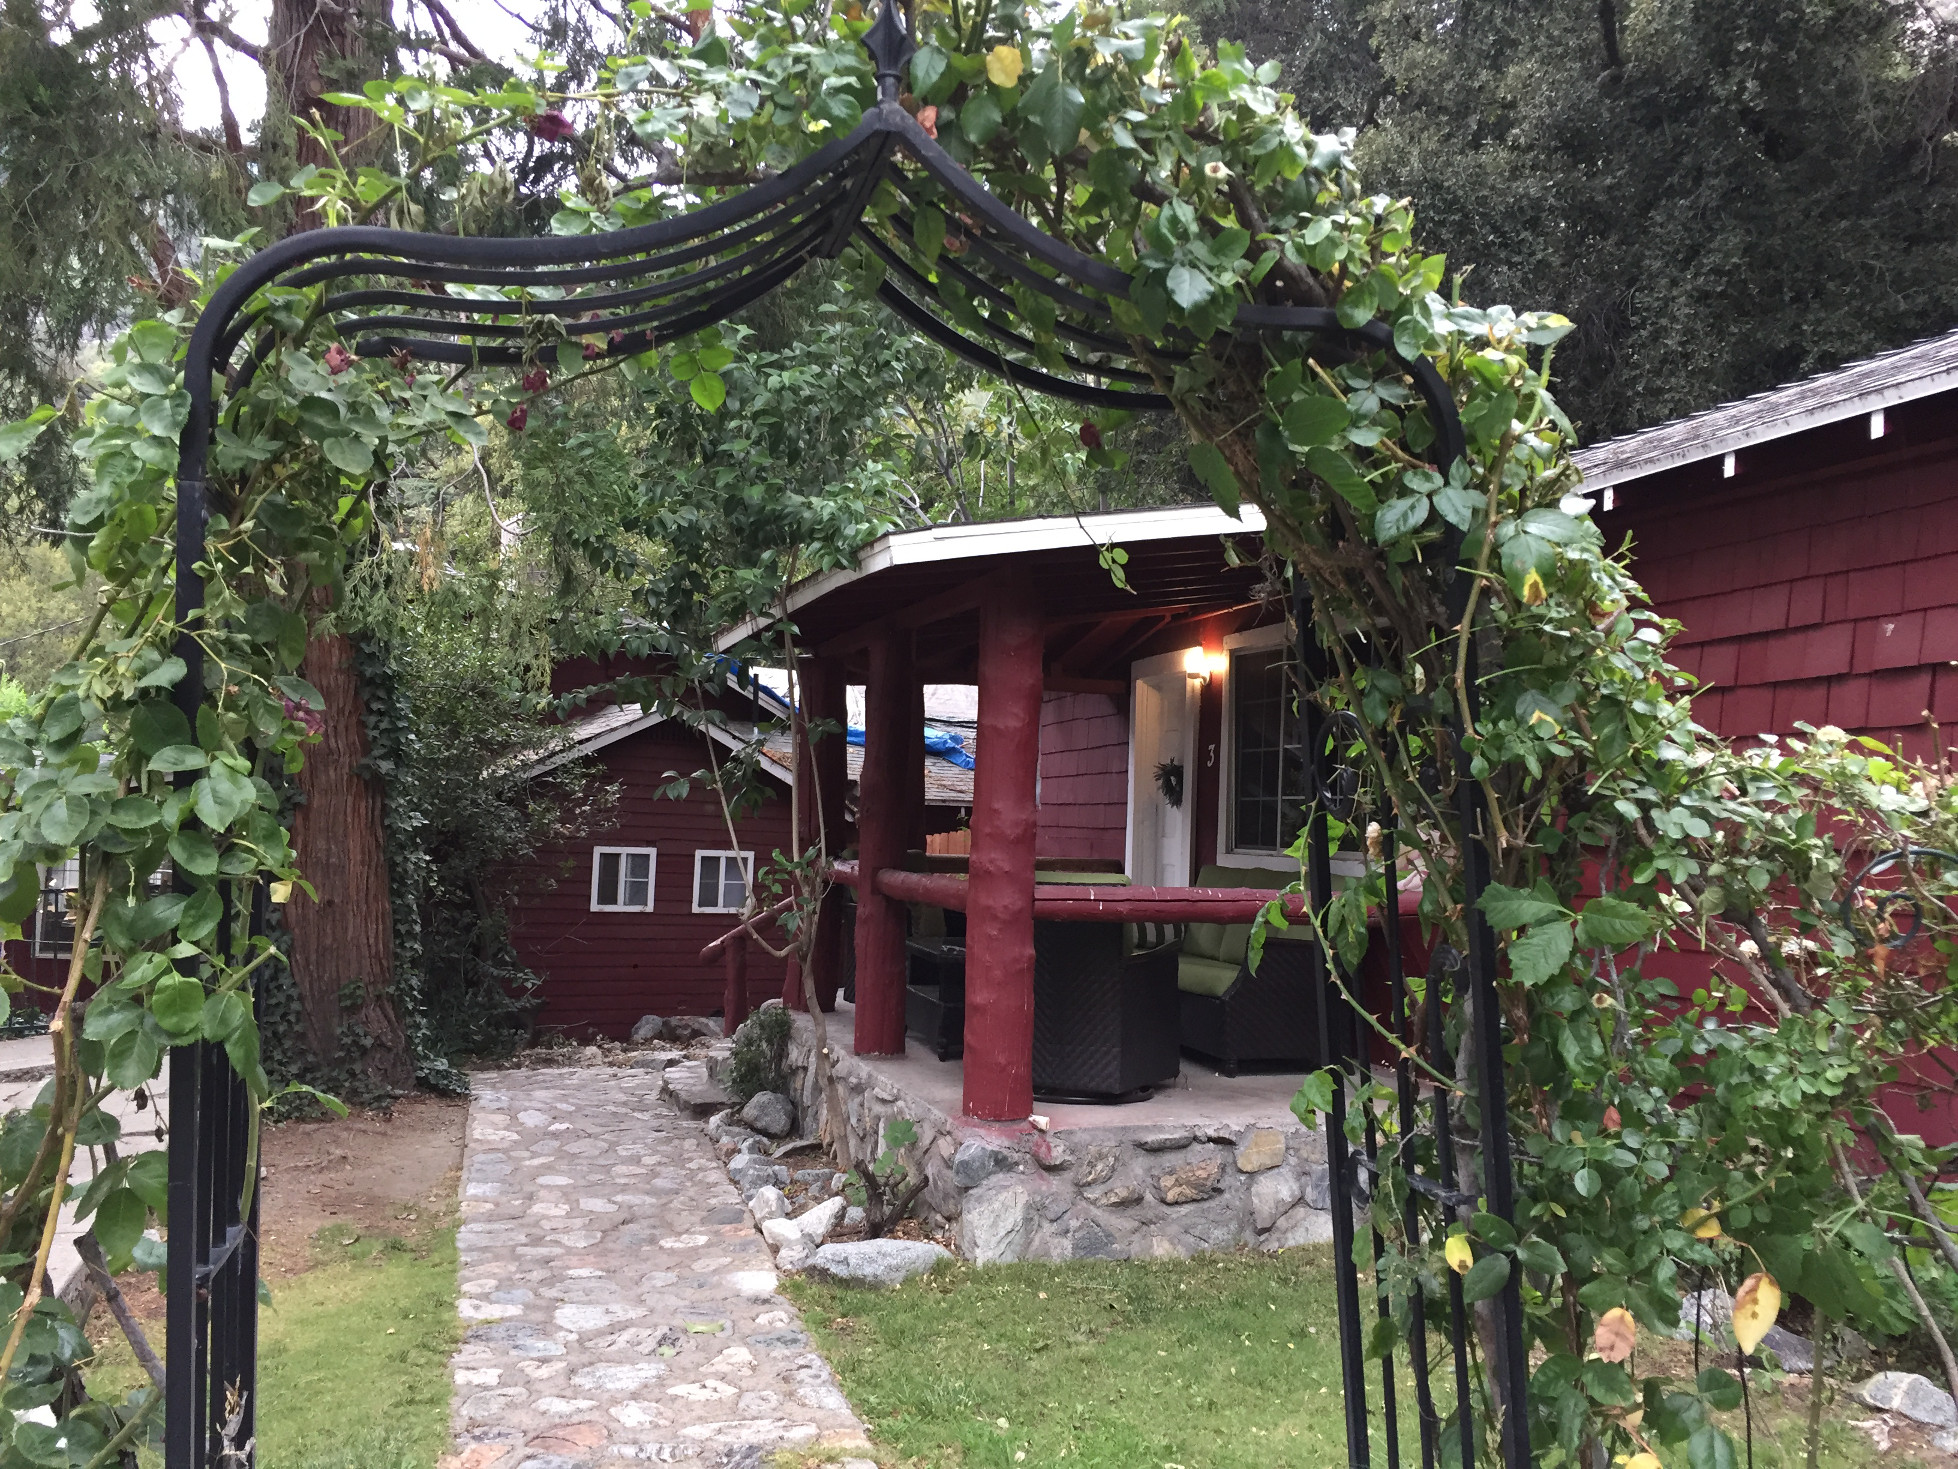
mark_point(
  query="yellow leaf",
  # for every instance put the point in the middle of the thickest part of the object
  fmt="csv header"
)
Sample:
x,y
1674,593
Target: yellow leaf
x,y
1533,589
1643,1461
1756,1304
1460,1255
1003,66
1704,1224
1615,1336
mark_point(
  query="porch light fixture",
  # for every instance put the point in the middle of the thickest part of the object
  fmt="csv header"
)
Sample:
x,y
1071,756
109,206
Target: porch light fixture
x,y
1203,666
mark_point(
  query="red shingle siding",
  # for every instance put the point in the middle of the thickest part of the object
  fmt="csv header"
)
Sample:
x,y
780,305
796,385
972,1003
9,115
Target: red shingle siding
x,y
602,971
1820,584
1084,776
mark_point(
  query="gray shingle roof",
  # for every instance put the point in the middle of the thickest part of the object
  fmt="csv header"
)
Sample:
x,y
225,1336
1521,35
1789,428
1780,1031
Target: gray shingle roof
x,y
1900,376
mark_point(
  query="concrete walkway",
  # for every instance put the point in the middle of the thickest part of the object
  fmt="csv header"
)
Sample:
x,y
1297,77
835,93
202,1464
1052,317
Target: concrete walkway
x,y
621,1304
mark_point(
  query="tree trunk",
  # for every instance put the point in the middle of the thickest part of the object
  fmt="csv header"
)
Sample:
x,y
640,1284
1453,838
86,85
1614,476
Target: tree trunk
x,y
313,49
343,943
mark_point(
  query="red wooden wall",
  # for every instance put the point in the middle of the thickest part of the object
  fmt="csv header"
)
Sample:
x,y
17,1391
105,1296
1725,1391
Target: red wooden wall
x,y
602,971
1084,777
1819,583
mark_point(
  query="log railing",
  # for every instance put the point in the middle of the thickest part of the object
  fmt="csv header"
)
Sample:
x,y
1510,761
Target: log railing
x,y
732,946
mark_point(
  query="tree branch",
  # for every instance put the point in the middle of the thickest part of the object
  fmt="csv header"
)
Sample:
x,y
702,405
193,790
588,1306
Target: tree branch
x,y
139,1343
444,20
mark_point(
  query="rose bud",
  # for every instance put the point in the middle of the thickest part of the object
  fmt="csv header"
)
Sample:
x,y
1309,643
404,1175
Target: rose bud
x,y
536,380
1091,436
519,416
338,359
552,126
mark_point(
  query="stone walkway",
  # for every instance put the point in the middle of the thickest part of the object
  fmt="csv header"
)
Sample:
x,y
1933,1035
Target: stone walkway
x,y
621,1304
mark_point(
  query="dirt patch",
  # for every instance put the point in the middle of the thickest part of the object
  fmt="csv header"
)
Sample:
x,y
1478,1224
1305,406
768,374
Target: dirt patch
x,y
393,1171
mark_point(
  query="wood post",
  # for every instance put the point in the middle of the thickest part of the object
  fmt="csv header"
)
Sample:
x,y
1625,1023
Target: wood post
x,y
999,913
914,772
881,836
822,782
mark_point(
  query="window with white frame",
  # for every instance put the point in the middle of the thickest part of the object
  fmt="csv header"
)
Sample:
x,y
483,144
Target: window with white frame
x,y
54,915
720,881
622,879
1268,785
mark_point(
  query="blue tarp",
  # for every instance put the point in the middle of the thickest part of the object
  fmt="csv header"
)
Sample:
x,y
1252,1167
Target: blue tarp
x,y
937,742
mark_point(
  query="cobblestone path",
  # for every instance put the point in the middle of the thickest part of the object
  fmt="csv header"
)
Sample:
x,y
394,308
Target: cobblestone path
x,y
620,1304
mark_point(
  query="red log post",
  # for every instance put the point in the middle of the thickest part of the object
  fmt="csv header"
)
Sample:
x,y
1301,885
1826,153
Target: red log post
x,y
914,773
999,912
881,834
734,997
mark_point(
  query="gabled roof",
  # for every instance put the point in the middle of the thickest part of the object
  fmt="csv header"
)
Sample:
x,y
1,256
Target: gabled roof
x,y
1901,376
979,540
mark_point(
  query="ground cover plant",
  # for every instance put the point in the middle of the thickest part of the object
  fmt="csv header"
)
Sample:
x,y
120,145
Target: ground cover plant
x,y
1667,1138
1216,1362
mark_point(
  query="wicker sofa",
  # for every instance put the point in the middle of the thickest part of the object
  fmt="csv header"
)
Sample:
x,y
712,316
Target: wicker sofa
x,y
1104,1015
1231,1016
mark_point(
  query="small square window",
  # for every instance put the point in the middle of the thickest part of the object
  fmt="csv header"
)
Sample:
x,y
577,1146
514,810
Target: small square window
x,y
54,917
622,879
720,881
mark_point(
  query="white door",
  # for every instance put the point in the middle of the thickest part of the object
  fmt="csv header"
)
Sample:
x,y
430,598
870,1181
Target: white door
x,y
1163,730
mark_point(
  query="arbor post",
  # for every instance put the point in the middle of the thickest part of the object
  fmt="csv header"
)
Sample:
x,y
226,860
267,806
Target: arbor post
x,y
999,910
882,830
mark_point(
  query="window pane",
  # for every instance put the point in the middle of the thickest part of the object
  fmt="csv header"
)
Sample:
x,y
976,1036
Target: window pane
x,y
1268,780
608,880
734,888
707,889
638,879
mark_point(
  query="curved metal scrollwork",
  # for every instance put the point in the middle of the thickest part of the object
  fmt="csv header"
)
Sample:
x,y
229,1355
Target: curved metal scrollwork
x,y
1879,911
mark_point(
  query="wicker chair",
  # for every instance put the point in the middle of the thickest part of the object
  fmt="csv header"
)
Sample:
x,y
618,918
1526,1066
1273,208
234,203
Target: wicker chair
x,y
1231,1016
1104,1019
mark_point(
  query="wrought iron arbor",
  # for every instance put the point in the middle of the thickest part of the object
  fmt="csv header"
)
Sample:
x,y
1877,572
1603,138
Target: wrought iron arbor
x,y
388,291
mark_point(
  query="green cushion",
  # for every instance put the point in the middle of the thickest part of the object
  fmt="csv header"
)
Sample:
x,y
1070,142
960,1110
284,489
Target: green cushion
x,y
1085,879
1244,877
1204,940
1237,939
1201,976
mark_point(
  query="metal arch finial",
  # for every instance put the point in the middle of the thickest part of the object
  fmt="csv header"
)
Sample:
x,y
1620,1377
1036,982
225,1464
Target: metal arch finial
x,y
889,44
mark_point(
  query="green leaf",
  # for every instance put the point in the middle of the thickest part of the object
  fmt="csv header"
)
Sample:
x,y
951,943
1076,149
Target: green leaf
x,y
926,68
200,915
20,893
223,1014
192,851
132,1058
299,691
1540,953
1339,471
1382,1337
223,796
264,192
154,341
1709,1448
119,1221
178,1004
708,390
165,416
1215,471
1314,421
179,757
348,453
1315,1095
1400,517
980,118
1457,506
1553,525
156,725
468,429
1056,105
1510,908
65,717
1188,288
164,675
1541,1256
15,437
133,813
1485,1277
1586,1182
149,1175
64,820
1720,1389
1614,923
1356,307
1524,553
928,232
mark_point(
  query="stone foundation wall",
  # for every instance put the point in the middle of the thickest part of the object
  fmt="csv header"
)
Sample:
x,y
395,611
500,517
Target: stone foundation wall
x,y
1106,1192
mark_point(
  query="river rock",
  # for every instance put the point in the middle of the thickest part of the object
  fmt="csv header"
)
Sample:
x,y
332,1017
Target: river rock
x,y
1050,1153
647,1028
877,1263
1167,1140
781,1233
1708,1310
1272,1196
995,1224
1191,1182
769,1203
685,1028
978,1160
1795,1354
1917,1398
770,1113
1262,1148
819,1221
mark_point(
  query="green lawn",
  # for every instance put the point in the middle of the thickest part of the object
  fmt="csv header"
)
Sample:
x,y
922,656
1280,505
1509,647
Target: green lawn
x,y
353,1365
1219,1362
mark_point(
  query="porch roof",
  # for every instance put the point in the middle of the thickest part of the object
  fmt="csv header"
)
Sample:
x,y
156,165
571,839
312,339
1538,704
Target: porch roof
x,y
930,579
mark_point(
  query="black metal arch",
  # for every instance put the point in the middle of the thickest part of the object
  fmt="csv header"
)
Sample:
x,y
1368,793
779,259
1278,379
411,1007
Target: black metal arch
x,y
623,293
